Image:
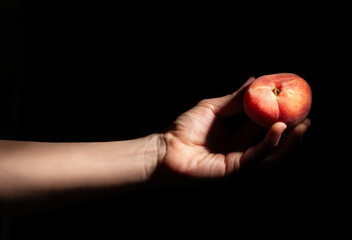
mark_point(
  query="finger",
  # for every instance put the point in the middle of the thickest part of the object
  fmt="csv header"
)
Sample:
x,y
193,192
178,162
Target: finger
x,y
263,148
290,142
230,104
235,160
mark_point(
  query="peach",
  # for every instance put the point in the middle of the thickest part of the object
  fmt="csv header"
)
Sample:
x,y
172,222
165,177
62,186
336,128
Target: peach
x,y
282,97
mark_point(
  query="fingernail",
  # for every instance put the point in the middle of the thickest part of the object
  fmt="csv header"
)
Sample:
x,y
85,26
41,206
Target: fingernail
x,y
283,126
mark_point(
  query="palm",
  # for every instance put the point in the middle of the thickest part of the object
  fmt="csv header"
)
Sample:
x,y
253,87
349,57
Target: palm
x,y
190,145
200,146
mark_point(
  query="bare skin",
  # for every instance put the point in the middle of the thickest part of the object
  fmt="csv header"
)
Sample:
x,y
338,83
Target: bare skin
x,y
197,145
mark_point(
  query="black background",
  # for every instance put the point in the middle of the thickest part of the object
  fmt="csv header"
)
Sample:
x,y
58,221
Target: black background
x,y
98,72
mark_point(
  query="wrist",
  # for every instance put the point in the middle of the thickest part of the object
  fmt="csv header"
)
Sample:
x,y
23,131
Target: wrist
x,y
154,153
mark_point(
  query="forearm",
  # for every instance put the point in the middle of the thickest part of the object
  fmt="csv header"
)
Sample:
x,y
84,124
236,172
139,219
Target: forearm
x,y
35,170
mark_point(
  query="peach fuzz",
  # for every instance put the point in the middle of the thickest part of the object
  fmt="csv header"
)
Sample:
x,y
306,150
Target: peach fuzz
x,y
282,97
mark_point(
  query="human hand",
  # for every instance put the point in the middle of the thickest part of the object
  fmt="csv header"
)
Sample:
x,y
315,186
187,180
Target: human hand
x,y
198,145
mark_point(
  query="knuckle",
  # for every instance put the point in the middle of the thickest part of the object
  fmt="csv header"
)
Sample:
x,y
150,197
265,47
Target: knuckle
x,y
207,103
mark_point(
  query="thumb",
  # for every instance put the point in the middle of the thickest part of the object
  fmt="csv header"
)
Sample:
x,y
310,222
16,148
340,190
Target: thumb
x,y
230,104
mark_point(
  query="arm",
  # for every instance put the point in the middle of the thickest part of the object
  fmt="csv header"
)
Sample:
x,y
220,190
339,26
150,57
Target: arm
x,y
33,173
197,145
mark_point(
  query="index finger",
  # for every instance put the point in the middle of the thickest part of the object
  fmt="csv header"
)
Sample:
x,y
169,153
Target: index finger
x,y
263,148
290,142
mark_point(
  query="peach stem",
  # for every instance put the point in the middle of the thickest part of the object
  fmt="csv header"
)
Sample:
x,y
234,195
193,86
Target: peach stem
x,y
276,91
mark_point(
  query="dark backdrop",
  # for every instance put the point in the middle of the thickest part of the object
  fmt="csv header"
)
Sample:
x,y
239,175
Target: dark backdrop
x,y
98,72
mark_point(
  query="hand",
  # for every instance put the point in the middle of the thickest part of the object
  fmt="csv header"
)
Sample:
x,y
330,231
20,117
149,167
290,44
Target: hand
x,y
198,144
